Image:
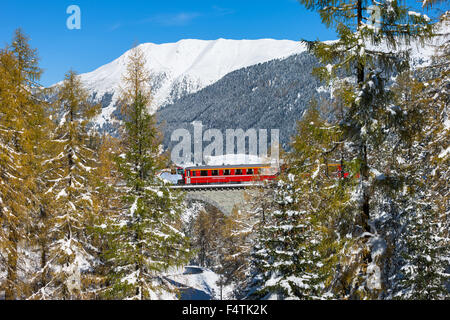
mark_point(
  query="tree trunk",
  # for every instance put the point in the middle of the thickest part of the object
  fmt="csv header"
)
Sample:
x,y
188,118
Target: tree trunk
x,y
10,290
43,243
365,208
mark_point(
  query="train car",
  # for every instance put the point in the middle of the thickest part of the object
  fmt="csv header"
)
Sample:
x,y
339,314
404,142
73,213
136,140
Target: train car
x,y
228,174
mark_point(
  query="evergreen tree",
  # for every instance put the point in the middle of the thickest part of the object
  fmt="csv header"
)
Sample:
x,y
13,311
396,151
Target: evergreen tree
x,y
145,236
296,246
372,40
109,204
425,245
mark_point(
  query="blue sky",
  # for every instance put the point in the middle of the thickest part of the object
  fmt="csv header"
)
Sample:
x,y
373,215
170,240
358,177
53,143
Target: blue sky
x,y
109,28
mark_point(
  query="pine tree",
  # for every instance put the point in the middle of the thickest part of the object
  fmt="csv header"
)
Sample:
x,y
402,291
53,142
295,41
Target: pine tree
x,y
45,166
296,246
235,250
109,203
207,237
10,195
40,132
20,120
369,117
70,174
145,236
425,245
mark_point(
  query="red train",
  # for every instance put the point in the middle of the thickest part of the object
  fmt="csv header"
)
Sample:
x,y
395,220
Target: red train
x,y
230,174
227,174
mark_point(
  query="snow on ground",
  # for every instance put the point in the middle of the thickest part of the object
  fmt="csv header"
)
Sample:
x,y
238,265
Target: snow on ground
x,y
191,212
198,283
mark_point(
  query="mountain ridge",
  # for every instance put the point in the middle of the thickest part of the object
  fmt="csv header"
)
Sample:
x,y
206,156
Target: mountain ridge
x,y
183,67
190,66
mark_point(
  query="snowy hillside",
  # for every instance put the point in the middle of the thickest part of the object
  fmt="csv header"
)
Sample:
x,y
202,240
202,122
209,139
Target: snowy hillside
x,y
185,67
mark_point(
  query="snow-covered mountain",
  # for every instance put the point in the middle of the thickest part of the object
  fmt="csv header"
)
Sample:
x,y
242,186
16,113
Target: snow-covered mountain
x,y
184,67
189,66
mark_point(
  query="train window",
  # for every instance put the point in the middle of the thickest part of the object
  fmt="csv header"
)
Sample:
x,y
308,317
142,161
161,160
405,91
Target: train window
x,y
249,171
226,172
194,173
204,173
238,172
215,172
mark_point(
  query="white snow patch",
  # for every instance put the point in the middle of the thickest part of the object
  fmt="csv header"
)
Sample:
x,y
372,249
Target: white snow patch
x,y
444,153
62,193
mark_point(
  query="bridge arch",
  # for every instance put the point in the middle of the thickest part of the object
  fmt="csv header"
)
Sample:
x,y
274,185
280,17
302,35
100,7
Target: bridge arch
x,y
192,196
223,199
